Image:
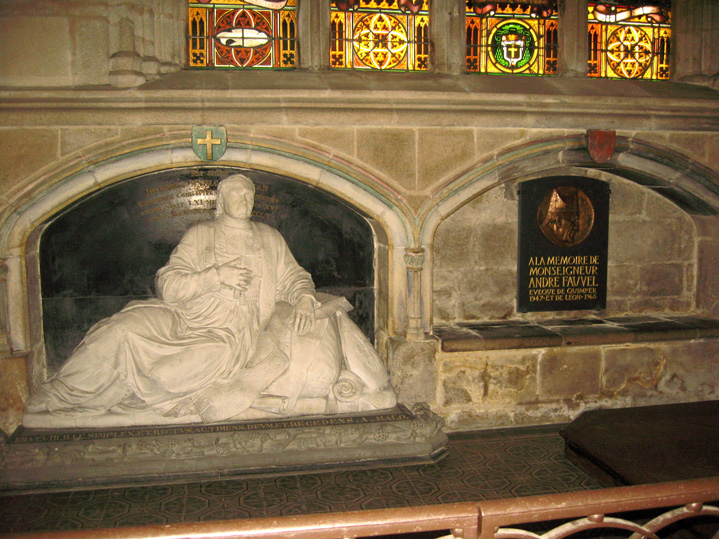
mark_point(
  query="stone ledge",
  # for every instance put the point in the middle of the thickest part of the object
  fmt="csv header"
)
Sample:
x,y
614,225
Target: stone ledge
x,y
511,334
62,459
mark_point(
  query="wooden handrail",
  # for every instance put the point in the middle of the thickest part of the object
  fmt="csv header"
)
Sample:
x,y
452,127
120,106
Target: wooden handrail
x,y
469,520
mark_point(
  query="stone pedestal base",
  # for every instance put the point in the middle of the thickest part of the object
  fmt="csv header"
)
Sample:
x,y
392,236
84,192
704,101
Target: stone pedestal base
x,y
34,459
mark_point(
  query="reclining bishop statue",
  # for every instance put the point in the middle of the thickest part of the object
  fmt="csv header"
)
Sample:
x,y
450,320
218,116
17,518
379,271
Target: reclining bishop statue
x,y
236,332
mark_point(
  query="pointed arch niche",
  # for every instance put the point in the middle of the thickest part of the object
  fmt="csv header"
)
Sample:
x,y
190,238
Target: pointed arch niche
x,y
83,247
663,238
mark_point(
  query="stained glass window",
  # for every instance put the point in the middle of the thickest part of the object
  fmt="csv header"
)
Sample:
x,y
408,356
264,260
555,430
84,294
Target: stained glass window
x,y
244,34
387,35
512,37
629,40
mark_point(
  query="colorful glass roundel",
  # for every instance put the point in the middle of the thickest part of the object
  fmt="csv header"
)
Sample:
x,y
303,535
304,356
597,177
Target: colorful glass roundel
x,y
514,46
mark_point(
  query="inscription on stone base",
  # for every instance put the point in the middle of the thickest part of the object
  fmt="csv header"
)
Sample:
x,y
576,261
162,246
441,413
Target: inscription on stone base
x,y
36,460
23,436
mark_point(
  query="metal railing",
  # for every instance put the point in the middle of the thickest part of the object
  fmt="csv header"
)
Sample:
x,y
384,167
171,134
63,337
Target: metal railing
x,y
493,519
591,509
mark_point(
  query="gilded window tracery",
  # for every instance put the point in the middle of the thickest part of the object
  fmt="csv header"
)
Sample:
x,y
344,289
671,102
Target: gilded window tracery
x,y
382,35
629,40
252,34
512,37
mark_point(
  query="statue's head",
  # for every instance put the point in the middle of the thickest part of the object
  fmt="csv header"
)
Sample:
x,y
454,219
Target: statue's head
x,y
237,183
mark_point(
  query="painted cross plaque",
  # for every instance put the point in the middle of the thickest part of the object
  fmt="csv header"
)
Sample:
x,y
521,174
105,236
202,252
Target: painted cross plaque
x,y
209,142
563,230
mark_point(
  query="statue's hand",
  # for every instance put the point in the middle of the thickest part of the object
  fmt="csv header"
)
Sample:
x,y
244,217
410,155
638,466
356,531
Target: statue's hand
x,y
235,275
303,317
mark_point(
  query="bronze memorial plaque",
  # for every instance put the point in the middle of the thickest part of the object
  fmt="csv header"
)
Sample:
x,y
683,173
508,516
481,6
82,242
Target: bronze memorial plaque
x,y
563,229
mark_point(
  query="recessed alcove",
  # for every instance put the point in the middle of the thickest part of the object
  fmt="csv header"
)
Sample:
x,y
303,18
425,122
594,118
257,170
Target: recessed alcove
x,y
103,251
654,343
652,257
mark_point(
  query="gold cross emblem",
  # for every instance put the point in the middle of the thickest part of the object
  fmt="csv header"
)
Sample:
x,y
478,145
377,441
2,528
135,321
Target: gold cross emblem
x,y
208,141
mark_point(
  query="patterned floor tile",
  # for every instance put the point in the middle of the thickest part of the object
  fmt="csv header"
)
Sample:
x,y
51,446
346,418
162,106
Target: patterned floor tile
x,y
479,466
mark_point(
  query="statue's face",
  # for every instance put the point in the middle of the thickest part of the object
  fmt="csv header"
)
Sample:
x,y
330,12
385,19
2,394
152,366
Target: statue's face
x,y
238,200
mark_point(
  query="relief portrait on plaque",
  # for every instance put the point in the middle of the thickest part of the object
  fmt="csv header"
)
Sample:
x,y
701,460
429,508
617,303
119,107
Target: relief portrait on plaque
x,y
563,239
565,216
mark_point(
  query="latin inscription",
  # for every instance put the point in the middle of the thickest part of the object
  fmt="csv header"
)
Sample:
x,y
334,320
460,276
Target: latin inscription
x,y
401,414
190,200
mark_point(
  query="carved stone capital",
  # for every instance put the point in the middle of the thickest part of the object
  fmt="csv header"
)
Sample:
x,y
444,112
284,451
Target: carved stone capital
x,y
414,258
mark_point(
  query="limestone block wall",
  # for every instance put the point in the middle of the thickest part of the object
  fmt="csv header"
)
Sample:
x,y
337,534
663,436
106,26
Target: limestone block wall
x,y
654,261
435,162
651,264
550,385
658,262
69,43
434,157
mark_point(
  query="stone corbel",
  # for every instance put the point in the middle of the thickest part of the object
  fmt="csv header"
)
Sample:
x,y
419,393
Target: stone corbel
x,y
414,261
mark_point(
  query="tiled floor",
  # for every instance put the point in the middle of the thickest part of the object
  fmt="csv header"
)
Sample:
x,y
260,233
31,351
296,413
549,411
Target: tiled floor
x,y
480,465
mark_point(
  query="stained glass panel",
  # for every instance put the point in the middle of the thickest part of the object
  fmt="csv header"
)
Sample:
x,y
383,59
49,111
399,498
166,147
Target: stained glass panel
x,y
512,37
386,35
239,34
629,40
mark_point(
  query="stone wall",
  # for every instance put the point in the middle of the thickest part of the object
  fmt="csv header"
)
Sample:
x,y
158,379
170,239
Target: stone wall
x,y
432,159
69,43
651,266
553,385
661,258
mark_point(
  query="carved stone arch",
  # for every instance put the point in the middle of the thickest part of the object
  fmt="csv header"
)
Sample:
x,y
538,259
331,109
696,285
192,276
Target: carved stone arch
x,y
692,187
21,228
682,181
686,183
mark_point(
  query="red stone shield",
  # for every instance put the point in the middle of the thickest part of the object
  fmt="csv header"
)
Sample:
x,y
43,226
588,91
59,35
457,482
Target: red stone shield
x,y
601,144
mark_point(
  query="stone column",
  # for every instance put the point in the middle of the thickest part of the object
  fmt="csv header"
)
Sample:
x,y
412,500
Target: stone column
x,y
414,260
4,328
313,21
150,62
13,365
447,36
695,33
171,34
126,63
573,46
